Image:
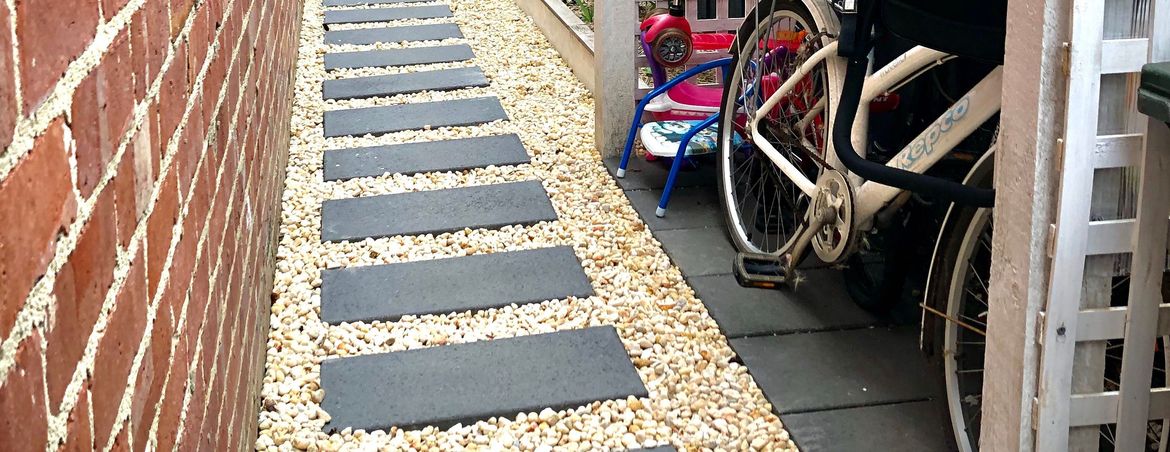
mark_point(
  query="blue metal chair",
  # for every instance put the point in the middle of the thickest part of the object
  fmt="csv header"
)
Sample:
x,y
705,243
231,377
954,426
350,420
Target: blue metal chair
x,y
676,165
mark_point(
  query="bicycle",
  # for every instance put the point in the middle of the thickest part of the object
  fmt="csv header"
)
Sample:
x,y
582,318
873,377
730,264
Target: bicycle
x,y
791,176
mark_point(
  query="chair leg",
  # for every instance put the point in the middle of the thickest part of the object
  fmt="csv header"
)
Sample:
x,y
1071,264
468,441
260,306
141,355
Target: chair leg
x,y
629,149
678,160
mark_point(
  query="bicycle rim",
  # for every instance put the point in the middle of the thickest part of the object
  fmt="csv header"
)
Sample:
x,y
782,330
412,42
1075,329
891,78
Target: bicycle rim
x,y
964,349
764,208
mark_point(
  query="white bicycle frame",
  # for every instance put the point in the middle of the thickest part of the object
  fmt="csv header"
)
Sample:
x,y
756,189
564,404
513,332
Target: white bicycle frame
x,y
930,146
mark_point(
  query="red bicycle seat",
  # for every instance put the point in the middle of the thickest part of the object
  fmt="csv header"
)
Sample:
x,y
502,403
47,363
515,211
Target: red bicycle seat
x,y
712,41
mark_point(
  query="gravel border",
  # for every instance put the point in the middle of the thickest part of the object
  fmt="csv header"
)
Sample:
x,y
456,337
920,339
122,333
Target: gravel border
x,y
699,399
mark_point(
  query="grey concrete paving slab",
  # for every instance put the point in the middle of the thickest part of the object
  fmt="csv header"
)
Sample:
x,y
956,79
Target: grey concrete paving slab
x,y
412,82
463,383
440,286
691,207
398,57
836,369
817,304
642,175
396,118
368,2
426,156
426,32
436,211
357,16
698,251
914,426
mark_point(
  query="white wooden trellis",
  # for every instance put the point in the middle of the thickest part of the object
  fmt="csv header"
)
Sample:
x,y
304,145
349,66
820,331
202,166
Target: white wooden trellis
x,y
1067,325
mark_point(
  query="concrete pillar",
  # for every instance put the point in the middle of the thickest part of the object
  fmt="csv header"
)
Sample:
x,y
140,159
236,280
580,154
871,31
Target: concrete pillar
x,y
615,23
1033,105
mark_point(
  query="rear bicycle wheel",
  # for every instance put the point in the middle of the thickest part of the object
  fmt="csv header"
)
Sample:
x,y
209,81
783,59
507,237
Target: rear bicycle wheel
x,y
763,208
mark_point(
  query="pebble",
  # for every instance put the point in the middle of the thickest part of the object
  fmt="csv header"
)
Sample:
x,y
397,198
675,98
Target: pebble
x,y
673,342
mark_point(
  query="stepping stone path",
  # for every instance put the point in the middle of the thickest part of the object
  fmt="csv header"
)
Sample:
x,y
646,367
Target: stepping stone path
x,y
484,281
413,82
397,118
436,211
423,157
398,57
368,2
427,32
360,16
445,385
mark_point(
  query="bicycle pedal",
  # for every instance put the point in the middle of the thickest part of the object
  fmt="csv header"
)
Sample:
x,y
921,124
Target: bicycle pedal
x,y
764,271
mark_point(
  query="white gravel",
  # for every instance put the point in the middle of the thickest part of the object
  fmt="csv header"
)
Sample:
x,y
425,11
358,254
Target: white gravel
x,y
699,400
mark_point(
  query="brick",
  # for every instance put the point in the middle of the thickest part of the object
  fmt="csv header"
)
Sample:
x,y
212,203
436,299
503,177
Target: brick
x,y
159,230
172,401
36,201
87,119
141,155
158,143
139,53
126,197
116,72
158,36
173,94
7,84
110,8
52,34
179,11
151,376
190,148
115,354
198,39
22,404
79,426
80,289
183,262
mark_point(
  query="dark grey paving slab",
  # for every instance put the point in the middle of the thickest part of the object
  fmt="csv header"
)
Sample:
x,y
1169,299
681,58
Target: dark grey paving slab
x,y
412,82
484,281
398,57
425,32
422,157
396,118
915,426
463,383
368,2
435,211
836,369
642,175
698,251
356,16
817,304
691,207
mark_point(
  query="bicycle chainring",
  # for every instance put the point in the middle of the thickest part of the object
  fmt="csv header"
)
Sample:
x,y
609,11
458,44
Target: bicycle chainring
x,y
833,210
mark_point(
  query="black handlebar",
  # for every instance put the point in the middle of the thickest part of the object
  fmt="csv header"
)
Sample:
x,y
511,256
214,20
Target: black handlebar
x,y
857,28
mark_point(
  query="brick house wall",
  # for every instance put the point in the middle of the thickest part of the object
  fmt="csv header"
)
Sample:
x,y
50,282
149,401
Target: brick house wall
x,y
144,145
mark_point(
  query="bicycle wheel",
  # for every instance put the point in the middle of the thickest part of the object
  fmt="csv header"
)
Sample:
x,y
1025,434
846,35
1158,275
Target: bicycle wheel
x,y
764,208
958,284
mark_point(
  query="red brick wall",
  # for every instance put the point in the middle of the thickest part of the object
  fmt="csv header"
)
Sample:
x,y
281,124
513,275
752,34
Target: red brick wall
x,y
144,144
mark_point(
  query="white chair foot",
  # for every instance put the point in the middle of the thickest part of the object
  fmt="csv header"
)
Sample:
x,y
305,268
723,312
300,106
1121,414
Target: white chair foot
x,y
660,212
621,173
